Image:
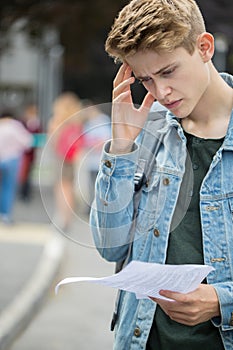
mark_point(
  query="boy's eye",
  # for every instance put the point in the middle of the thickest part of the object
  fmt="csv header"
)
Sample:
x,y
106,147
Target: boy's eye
x,y
144,80
168,71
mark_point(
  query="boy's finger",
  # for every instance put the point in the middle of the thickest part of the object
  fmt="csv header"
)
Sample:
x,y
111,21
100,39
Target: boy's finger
x,y
148,101
120,75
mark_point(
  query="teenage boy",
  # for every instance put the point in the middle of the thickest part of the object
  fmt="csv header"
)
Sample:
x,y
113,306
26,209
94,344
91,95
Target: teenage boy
x,y
164,45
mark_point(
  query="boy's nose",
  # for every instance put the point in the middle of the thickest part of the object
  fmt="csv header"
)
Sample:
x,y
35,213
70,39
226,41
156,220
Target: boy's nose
x,y
161,91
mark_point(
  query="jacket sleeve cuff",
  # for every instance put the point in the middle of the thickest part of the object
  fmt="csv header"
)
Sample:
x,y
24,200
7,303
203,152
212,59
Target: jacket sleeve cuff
x,y
224,292
121,165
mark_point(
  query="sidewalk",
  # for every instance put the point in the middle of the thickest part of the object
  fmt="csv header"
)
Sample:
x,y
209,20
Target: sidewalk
x,y
34,258
30,254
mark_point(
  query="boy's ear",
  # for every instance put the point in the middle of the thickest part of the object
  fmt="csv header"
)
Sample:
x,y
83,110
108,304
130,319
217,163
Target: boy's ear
x,y
205,45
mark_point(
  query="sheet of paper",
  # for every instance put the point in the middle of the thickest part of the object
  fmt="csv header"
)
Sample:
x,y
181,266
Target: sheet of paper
x,y
147,279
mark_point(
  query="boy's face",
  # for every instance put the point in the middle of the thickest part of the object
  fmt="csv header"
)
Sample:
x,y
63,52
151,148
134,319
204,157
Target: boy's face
x,y
178,80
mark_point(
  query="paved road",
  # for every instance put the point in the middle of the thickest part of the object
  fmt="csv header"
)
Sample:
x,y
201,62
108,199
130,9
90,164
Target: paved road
x,y
78,318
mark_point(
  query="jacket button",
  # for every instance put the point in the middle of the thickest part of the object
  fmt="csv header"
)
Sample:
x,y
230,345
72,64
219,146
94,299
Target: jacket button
x,y
156,232
137,332
108,163
166,181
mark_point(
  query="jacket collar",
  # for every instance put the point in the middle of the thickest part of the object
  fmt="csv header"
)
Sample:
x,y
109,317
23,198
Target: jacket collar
x,y
228,141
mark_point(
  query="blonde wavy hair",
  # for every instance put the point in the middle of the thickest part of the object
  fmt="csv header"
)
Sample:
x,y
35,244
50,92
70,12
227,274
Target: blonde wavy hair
x,y
160,25
65,108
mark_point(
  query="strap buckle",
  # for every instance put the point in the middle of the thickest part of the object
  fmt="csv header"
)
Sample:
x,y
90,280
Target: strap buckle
x,y
139,181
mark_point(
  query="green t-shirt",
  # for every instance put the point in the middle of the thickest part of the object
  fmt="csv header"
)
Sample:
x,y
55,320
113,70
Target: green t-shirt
x,y
185,247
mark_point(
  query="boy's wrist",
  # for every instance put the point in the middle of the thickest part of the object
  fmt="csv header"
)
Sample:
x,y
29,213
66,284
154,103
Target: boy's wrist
x,y
121,147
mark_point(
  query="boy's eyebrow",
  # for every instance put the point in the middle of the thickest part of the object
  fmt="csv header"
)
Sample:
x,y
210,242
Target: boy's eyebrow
x,y
156,73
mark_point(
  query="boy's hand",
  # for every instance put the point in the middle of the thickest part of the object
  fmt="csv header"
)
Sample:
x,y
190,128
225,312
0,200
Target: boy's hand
x,y
192,308
127,120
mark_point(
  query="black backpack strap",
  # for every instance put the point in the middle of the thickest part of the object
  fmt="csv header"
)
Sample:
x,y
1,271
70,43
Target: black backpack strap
x,y
151,140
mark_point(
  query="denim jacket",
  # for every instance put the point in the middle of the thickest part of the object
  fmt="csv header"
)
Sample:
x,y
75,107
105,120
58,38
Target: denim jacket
x,y
111,217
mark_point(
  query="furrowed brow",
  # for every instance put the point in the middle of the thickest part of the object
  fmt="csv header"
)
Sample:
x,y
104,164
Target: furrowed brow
x,y
156,73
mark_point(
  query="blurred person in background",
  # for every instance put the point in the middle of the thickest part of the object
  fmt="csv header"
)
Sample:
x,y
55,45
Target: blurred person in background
x,y
14,140
65,130
32,123
97,130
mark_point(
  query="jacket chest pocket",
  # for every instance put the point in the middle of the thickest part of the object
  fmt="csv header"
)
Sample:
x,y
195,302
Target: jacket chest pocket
x,y
154,194
160,194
